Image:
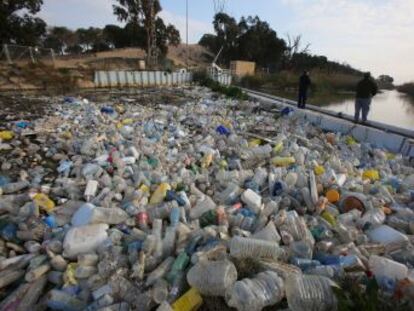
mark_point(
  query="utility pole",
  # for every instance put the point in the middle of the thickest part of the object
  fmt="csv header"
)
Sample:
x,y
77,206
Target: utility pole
x,y
188,51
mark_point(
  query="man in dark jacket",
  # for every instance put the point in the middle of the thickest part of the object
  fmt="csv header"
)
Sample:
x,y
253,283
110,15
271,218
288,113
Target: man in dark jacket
x,y
366,90
304,83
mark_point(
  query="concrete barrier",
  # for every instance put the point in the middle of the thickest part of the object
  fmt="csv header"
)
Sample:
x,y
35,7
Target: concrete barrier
x,y
386,136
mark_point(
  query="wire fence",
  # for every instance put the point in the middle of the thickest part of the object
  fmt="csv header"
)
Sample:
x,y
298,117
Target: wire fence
x,y
19,54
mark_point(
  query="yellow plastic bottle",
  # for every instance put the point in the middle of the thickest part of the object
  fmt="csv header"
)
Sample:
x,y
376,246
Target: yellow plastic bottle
x,y
69,275
44,202
207,160
160,193
372,175
319,170
190,301
283,161
254,142
278,148
6,135
329,217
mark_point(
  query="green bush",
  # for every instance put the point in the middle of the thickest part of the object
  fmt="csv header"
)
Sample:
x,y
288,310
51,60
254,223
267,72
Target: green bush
x,y
230,91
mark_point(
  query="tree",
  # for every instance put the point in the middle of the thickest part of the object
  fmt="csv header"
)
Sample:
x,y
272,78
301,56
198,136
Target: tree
x,y
173,35
60,39
139,13
18,24
91,39
249,39
294,46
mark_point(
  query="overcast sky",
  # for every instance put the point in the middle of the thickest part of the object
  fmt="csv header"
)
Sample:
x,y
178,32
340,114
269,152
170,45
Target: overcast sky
x,y
374,35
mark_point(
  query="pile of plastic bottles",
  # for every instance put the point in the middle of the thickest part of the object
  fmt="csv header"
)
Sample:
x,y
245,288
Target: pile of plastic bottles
x,y
118,205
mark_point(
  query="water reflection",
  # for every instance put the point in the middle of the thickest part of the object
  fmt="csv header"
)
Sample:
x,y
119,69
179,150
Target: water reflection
x,y
389,107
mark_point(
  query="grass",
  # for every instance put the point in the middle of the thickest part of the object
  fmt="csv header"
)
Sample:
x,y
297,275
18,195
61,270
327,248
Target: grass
x,y
407,88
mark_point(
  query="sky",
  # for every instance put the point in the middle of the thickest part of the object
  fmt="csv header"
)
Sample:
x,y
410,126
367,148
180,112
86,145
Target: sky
x,y
371,35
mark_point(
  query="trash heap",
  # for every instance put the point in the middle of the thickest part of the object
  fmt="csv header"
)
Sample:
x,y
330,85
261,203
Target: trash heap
x,y
122,206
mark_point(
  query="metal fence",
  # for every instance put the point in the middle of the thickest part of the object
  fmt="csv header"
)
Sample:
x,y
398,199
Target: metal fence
x,y
17,54
141,78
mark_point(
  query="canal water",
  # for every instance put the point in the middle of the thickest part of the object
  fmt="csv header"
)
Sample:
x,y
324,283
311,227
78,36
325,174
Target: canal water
x,y
390,107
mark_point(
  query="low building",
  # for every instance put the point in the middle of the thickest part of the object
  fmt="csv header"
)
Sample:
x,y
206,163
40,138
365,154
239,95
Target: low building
x,y
242,68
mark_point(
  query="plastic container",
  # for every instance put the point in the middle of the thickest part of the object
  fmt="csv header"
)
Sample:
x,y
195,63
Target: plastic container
x,y
85,239
310,292
265,289
212,278
384,268
253,248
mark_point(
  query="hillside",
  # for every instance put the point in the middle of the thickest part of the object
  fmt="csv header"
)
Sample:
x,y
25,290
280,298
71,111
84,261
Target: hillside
x,y
77,70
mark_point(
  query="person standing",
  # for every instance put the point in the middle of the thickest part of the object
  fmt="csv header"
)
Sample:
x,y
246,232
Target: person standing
x,y
366,90
304,83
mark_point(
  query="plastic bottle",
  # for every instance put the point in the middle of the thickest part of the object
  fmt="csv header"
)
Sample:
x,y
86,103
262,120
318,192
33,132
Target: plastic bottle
x,y
175,216
253,248
60,300
42,200
375,217
268,233
90,191
230,194
190,301
14,187
180,263
160,291
310,292
283,161
160,193
203,205
265,289
160,271
212,278
252,199
260,176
